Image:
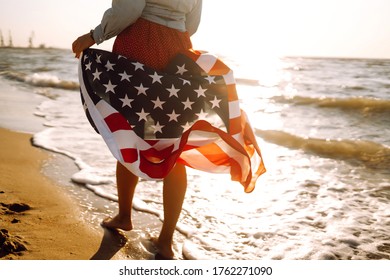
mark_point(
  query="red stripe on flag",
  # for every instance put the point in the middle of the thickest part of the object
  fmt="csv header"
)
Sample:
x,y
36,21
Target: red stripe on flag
x,y
157,156
235,126
193,54
217,156
232,92
189,147
129,155
214,154
116,122
219,68
155,165
151,142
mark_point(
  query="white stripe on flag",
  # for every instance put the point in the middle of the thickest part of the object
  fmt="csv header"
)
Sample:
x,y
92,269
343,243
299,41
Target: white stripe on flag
x,y
234,109
105,109
135,169
128,139
198,161
206,62
229,78
242,160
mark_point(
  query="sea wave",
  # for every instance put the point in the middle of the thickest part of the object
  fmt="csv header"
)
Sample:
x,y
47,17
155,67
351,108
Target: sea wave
x,y
247,82
371,154
354,103
40,80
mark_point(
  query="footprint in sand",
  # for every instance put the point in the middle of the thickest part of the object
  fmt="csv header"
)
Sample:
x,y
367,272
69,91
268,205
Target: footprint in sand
x,y
14,208
10,244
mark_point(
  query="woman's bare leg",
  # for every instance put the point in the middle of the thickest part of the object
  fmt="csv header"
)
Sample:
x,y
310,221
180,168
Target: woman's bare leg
x,y
126,183
174,190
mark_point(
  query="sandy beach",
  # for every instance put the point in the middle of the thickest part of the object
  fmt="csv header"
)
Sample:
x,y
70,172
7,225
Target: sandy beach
x,y
38,221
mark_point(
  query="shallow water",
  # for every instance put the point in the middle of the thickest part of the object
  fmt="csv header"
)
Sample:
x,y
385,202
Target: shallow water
x,y
323,128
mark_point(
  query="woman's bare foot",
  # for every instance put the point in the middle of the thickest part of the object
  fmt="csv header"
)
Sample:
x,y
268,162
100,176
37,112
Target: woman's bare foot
x,y
165,252
117,223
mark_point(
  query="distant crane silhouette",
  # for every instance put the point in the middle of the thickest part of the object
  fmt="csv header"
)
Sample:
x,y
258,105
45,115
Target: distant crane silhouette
x,y
30,40
1,40
10,44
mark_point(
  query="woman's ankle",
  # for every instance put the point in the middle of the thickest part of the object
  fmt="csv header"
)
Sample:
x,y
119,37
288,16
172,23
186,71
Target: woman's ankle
x,y
118,222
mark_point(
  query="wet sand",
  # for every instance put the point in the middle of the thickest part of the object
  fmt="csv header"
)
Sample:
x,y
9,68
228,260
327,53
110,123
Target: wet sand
x,y
38,221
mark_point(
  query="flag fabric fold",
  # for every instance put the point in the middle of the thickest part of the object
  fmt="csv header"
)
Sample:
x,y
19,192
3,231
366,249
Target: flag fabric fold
x,y
188,113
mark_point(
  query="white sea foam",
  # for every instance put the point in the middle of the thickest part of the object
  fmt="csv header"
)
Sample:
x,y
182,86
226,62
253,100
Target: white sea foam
x,y
41,80
49,80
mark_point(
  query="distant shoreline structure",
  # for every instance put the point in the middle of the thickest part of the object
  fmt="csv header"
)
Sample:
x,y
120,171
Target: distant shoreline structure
x,y
41,46
11,45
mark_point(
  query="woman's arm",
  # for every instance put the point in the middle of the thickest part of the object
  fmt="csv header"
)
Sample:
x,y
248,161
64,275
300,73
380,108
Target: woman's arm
x,y
121,14
81,43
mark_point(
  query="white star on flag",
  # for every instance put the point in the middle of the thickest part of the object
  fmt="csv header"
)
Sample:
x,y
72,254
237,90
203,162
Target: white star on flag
x,y
173,116
185,81
181,69
126,101
156,78
202,115
88,66
201,91
186,126
96,75
98,58
125,76
173,91
109,87
188,104
157,127
142,115
138,66
158,103
109,66
215,102
211,79
141,89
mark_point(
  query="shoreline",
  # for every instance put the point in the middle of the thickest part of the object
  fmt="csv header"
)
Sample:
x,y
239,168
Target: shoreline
x,y
39,219
48,226
44,217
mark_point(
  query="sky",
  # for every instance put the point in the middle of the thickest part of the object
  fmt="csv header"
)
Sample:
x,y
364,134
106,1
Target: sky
x,y
324,28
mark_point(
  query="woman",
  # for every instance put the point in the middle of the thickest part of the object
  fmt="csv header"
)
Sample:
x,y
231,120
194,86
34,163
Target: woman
x,y
153,32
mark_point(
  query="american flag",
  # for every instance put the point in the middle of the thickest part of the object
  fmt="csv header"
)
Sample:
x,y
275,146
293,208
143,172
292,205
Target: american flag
x,y
188,113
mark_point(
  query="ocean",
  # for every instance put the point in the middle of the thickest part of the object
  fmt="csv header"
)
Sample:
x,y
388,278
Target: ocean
x,y
323,127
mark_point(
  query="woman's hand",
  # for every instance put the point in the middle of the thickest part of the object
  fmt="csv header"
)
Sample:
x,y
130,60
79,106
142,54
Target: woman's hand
x,y
83,42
